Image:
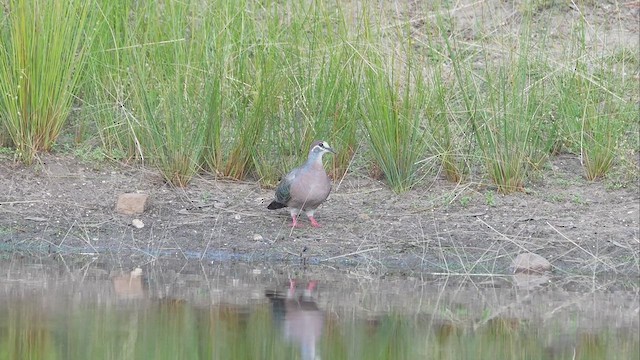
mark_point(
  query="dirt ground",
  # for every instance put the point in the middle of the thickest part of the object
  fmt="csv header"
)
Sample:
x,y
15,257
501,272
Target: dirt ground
x,y
65,205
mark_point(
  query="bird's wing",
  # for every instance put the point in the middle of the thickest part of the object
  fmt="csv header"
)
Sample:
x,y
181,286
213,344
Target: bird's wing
x,y
283,191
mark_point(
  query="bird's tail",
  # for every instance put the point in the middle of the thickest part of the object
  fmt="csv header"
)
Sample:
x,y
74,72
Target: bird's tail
x,y
275,205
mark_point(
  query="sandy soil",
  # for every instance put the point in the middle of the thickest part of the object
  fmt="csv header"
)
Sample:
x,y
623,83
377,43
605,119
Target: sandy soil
x,y
65,205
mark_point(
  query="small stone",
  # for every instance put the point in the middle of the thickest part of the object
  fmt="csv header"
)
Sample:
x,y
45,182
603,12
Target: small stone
x,y
132,203
237,216
257,237
530,281
136,272
530,263
219,205
364,217
137,223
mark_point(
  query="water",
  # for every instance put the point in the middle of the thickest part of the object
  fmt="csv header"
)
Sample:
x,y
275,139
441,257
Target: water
x,y
97,308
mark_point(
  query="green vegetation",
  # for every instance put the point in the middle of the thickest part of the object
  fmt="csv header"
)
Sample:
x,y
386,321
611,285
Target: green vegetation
x,y
240,89
175,329
42,55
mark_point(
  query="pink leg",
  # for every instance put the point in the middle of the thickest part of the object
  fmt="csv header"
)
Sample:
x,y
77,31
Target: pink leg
x,y
312,285
292,289
295,221
314,223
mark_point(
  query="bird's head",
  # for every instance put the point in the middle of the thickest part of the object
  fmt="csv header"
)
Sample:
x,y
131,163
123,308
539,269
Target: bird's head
x,y
320,148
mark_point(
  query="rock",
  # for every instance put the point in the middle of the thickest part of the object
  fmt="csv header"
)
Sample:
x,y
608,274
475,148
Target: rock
x,y
530,263
129,286
219,205
257,237
132,203
364,217
137,223
526,281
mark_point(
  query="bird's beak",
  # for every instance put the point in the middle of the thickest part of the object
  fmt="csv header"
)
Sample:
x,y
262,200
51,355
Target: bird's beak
x,y
331,150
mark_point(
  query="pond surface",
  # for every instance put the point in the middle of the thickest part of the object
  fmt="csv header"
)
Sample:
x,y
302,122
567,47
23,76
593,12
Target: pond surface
x,y
109,308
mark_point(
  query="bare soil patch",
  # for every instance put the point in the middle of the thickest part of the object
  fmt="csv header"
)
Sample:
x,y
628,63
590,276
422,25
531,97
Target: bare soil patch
x,y
66,205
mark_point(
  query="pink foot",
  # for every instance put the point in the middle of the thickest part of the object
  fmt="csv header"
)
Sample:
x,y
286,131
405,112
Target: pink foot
x,y
312,285
292,289
295,224
314,223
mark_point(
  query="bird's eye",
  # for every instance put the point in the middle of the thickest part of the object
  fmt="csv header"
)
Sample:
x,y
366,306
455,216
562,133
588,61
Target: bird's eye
x,y
321,145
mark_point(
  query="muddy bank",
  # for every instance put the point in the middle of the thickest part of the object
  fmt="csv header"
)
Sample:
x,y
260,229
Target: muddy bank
x,y
64,205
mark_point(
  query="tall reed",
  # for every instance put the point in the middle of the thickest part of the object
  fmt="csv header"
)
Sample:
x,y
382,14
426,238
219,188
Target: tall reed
x,y
108,88
394,98
592,115
319,94
169,87
42,56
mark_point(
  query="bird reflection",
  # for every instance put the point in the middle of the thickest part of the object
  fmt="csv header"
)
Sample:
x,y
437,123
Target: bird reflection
x,y
299,318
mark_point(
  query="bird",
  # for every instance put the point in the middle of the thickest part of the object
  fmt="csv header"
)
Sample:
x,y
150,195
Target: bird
x,y
305,187
298,316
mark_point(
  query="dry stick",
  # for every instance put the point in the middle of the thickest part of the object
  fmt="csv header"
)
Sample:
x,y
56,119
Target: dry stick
x,y
290,252
145,44
133,240
141,251
87,240
65,235
351,253
19,202
215,226
353,156
503,235
581,248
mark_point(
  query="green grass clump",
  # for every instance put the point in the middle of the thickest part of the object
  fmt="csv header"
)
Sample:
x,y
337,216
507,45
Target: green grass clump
x,y
240,89
108,86
42,56
170,90
315,94
505,126
593,110
394,99
392,119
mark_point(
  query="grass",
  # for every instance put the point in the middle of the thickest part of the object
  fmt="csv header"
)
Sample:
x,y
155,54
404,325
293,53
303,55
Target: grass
x,y
593,116
392,116
241,89
42,57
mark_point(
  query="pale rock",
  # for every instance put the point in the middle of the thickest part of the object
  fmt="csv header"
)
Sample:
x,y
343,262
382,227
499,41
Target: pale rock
x,y
132,203
219,205
364,217
137,223
530,263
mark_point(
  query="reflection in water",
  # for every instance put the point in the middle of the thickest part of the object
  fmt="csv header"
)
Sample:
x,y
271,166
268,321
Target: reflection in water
x,y
129,286
73,310
298,317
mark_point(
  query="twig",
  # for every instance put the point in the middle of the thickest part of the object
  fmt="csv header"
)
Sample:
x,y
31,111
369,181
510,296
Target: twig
x,y
351,253
19,202
581,248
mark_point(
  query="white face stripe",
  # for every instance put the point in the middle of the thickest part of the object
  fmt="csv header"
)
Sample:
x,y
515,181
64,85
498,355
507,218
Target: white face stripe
x,y
323,147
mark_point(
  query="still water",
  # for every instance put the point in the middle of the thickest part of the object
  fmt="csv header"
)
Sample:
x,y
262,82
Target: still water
x,y
109,308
